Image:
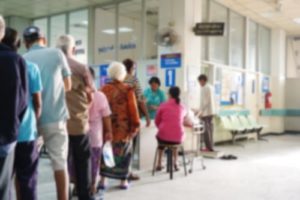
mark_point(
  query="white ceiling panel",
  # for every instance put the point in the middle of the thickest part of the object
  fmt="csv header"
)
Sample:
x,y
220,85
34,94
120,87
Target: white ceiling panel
x,y
271,13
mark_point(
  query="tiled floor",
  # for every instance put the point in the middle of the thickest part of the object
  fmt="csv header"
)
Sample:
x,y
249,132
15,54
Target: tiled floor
x,y
264,171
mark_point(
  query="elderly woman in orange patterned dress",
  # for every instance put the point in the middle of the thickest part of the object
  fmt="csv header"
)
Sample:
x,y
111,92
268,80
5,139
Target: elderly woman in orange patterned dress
x,y
125,124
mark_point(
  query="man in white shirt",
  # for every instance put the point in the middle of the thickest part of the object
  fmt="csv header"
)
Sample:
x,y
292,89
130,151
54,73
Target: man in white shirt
x,y
207,111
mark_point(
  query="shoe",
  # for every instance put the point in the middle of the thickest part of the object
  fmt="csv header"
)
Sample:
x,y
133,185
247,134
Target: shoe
x,y
101,187
124,187
133,177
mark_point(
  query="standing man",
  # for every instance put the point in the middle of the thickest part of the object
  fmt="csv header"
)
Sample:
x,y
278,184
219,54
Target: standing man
x,y
78,101
26,153
13,104
56,80
207,111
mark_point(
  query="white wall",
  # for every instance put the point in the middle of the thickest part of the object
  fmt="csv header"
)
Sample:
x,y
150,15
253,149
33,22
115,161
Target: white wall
x,y
293,61
292,100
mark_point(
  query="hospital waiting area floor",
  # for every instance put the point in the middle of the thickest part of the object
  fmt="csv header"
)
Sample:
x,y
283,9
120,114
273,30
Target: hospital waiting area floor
x,y
264,171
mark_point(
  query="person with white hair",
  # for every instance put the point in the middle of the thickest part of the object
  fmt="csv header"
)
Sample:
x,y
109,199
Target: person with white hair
x,y
125,124
78,101
13,105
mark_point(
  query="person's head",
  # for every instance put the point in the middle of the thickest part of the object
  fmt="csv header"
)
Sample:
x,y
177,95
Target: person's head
x,y
174,93
67,44
11,39
2,28
117,71
154,83
33,35
202,79
92,71
130,66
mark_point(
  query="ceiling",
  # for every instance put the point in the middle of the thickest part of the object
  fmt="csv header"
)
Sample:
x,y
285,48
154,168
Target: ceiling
x,y
39,8
272,13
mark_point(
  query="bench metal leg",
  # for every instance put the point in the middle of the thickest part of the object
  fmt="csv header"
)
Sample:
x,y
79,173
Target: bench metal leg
x,y
259,136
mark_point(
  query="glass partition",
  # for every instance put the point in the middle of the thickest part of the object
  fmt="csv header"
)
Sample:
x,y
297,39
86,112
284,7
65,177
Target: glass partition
x,y
264,50
43,25
78,27
218,48
57,28
130,26
252,46
105,34
237,39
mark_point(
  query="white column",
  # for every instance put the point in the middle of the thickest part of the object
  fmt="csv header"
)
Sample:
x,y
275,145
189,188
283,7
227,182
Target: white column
x,y
278,63
183,15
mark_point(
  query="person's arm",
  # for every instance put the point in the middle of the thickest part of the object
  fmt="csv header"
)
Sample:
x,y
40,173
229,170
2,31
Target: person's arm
x,y
68,83
158,117
205,101
144,109
36,87
107,126
23,88
133,114
106,119
141,101
66,71
89,85
37,104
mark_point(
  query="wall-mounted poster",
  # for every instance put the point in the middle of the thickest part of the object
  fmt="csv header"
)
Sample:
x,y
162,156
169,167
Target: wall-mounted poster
x,y
152,70
232,92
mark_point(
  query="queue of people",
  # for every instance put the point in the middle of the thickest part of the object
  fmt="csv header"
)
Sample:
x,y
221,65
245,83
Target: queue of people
x,y
52,96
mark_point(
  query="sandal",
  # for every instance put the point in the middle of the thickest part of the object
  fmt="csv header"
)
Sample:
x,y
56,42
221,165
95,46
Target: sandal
x,y
133,177
159,168
176,168
124,186
101,187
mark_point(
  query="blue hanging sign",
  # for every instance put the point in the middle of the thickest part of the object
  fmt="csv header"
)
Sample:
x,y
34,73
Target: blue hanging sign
x,y
103,74
170,77
103,69
171,60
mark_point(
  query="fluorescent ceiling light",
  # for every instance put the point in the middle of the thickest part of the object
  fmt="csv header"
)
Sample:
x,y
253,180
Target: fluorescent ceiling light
x,y
85,22
297,20
121,30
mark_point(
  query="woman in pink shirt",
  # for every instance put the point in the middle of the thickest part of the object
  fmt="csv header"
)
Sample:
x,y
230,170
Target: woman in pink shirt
x,y
100,129
169,121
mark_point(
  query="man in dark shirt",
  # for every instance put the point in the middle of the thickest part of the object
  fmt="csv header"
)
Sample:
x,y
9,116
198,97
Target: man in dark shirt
x,y
13,104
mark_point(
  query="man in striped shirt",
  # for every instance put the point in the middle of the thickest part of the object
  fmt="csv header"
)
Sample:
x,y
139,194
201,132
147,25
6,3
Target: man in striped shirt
x,y
133,82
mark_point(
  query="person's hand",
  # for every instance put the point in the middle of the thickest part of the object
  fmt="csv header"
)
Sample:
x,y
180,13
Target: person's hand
x,y
148,121
153,107
134,133
108,136
195,111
